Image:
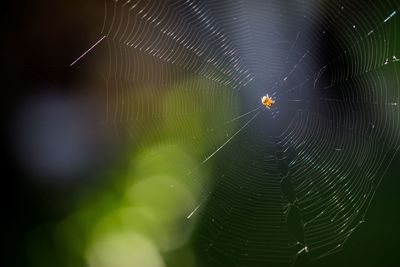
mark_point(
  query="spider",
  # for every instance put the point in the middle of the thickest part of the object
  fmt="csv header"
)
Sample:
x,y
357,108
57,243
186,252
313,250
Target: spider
x,y
267,101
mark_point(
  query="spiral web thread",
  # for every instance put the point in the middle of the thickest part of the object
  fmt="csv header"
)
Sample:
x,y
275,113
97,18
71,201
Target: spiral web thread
x,y
306,190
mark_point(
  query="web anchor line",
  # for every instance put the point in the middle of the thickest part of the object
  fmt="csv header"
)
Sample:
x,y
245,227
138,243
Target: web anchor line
x,y
87,51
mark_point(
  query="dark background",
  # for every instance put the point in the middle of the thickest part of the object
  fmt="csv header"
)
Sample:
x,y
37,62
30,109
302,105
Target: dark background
x,y
41,39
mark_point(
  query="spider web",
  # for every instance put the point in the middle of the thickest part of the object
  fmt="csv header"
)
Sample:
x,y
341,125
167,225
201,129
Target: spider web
x,y
293,181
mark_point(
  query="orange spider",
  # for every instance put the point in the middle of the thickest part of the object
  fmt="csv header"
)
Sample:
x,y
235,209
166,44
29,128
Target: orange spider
x,y
267,101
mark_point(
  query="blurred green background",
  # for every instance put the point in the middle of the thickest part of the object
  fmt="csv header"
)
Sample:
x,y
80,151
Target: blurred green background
x,y
138,194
